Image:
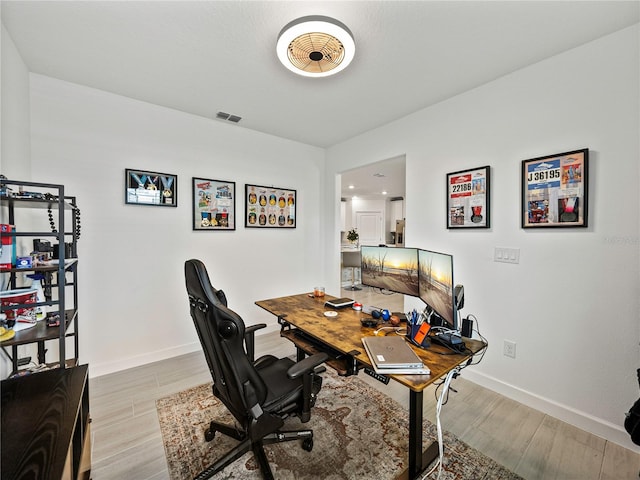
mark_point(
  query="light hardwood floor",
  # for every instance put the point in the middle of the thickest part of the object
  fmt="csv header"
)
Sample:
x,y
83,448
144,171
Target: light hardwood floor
x,y
127,443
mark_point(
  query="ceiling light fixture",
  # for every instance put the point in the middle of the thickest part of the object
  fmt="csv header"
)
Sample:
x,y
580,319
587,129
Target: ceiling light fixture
x,y
315,46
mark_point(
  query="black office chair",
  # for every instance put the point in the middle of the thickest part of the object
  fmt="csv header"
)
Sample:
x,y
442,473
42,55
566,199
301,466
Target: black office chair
x,y
260,394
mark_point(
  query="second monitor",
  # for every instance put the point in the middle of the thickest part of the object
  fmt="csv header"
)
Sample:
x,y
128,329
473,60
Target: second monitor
x,y
415,272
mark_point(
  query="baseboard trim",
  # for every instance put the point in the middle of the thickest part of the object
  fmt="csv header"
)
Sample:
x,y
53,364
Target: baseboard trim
x,y
104,368
589,423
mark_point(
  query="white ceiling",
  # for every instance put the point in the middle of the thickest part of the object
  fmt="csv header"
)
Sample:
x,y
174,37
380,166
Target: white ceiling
x,y
202,57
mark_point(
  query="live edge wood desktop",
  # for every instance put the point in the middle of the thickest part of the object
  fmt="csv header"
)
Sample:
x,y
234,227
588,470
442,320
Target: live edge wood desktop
x,y
341,337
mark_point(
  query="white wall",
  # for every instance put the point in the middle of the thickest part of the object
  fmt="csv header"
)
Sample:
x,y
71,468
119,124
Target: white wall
x,y
571,305
133,304
15,147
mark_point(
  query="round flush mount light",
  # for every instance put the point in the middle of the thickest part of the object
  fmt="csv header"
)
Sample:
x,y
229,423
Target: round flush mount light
x,y
315,46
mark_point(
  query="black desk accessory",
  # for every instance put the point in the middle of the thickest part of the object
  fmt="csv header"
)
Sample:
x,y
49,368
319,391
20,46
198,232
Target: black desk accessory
x,y
340,302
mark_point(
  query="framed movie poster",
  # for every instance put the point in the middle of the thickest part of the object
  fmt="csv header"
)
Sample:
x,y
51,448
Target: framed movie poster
x,y
269,207
214,204
468,198
150,188
555,190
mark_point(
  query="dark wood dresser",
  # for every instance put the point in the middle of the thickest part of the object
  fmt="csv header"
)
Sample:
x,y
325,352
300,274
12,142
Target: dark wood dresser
x,y
45,425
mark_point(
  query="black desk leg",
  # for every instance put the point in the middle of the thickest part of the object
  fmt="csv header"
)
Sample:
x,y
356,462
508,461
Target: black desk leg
x,y
415,433
300,355
418,460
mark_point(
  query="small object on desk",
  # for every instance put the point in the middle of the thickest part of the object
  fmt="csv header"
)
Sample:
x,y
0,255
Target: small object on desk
x,y
370,308
340,302
450,340
318,291
23,262
369,322
6,334
53,319
357,306
330,314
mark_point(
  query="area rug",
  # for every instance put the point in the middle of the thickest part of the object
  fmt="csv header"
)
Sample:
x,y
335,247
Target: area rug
x,y
359,433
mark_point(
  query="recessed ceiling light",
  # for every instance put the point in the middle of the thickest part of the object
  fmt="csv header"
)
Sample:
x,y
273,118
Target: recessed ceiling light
x,y
384,192
352,186
315,46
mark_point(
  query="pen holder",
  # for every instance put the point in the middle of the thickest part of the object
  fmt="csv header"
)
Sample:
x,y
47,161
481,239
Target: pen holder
x,y
417,333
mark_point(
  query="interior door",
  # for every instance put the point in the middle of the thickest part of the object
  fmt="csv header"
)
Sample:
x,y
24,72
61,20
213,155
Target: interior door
x,y
369,225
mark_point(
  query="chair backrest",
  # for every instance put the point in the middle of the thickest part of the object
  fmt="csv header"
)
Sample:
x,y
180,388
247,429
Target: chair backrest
x,y
221,332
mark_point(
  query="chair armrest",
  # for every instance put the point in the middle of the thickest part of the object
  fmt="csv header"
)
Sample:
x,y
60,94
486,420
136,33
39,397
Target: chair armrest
x,y
307,365
250,339
253,328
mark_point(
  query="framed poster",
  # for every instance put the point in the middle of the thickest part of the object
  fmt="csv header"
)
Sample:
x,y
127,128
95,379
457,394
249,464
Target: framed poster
x,y
214,204
468,198
150,188
269,207
555,190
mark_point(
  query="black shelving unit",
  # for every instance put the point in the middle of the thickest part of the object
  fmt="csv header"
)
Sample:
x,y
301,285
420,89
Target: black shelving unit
x,y
47,197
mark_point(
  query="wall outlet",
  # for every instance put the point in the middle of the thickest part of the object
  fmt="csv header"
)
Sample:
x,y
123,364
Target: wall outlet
x,y
509,349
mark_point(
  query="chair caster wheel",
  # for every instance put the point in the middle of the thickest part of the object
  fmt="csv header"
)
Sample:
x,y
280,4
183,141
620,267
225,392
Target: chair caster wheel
x,y
209,434
307,444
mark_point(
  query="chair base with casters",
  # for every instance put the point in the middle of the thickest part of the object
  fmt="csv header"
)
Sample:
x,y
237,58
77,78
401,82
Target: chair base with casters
x,y
245,445
259,394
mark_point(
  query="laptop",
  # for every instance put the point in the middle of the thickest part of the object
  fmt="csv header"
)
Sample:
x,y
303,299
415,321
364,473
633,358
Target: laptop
x,y
339,302
391,354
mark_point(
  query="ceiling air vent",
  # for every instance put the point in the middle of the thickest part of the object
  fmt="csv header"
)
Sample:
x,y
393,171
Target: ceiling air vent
x,y
227,116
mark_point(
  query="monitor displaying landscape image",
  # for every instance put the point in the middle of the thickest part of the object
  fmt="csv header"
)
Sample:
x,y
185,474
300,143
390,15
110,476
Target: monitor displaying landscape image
x,y
436,284
389,268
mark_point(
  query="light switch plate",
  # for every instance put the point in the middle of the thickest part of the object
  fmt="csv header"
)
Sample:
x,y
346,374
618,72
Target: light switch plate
x,y
506,255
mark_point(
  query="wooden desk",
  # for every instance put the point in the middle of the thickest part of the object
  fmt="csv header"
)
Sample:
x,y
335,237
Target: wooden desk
x,y
342,335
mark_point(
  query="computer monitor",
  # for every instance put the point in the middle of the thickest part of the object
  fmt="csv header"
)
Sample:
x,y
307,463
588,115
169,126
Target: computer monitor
x,y
390,268
436,287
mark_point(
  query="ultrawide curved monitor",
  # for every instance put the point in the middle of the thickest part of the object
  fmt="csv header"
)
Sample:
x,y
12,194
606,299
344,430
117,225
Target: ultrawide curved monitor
x,y
390,268
436,287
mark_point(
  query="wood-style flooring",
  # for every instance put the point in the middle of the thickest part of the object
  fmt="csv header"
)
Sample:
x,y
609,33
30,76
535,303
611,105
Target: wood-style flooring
x,y
127,443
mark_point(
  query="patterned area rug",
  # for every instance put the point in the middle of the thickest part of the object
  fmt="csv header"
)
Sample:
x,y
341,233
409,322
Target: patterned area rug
x,y
359,433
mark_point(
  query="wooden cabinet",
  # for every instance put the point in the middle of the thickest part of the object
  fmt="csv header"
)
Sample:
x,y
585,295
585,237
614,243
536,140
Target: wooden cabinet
x,y
45,425
18,199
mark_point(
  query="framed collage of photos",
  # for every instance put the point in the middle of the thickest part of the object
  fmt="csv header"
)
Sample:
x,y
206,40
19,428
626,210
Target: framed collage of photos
x,y
269,207
468,198
214,204
150,188
555,190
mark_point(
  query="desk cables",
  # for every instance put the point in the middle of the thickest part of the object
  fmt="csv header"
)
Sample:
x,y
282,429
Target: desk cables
x,y
444,395
453,373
